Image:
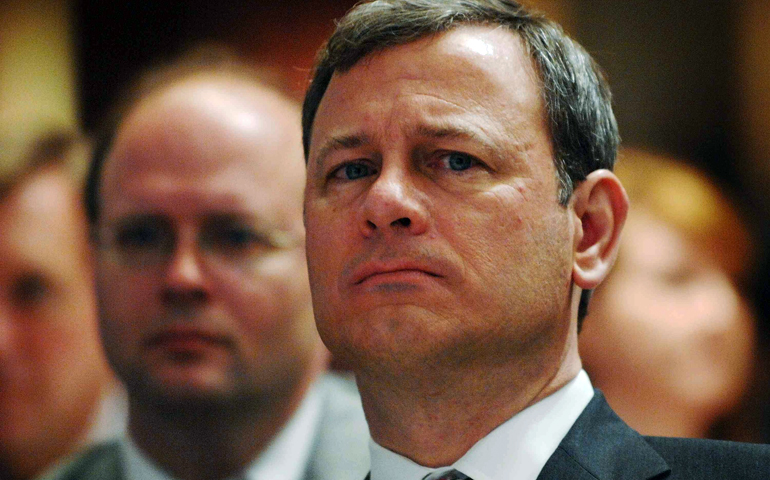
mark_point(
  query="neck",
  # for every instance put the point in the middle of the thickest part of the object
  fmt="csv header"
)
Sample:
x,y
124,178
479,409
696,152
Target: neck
x,y
434,417
213,441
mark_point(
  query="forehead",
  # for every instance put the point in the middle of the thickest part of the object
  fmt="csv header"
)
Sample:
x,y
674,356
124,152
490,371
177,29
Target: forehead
x,y
208,141
468,70
41,224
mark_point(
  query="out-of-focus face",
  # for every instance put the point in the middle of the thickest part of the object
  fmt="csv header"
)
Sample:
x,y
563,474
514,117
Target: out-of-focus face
x,y
668,327
202,277
51,365
434,230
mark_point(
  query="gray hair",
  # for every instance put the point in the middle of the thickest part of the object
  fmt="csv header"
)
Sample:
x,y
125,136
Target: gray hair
x,y
578,100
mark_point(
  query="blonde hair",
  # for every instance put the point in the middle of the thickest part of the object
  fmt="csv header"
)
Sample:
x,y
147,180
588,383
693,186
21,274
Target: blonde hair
x,y
685,198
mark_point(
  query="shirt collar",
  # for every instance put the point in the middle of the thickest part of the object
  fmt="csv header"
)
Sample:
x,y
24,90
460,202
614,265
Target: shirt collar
x,y
285,458
518,449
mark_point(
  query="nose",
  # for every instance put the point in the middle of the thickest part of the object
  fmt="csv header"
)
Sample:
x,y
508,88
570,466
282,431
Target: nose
x,y
186,282
394,204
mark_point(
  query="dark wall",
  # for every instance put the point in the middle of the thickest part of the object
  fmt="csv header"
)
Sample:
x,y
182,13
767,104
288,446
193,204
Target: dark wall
x,y
117,40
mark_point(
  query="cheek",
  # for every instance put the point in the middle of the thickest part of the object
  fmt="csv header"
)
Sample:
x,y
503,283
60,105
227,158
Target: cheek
x,y
122,291
268,304
124,301
58,355
328,246
516,239
636,313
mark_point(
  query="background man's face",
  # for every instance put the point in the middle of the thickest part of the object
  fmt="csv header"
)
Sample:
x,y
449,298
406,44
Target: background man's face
x,y
51,365
434,230
201,274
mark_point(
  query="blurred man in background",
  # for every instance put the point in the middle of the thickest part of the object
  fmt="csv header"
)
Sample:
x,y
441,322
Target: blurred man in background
x,y
195,201
57,394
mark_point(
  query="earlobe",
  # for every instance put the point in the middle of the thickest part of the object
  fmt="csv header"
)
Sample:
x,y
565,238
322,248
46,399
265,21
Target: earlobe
x,y
600,205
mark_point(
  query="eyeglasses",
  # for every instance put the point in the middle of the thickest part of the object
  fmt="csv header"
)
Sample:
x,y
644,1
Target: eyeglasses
x,y
143,241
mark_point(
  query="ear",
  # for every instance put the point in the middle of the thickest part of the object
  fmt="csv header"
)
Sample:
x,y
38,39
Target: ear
x,y
599,205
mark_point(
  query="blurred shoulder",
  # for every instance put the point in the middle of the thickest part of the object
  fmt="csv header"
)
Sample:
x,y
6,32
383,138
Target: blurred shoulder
x,y
342,385
342,403
101,462
341,450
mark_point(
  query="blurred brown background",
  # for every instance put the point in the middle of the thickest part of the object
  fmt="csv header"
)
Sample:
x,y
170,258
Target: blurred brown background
x,y
690,78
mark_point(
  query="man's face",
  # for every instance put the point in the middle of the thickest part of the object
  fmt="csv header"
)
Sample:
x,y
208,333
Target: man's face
x,y
51,365
431,206
201,274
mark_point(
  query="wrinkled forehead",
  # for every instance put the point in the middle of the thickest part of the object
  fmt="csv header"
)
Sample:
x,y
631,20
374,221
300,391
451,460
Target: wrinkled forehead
x,y
465,75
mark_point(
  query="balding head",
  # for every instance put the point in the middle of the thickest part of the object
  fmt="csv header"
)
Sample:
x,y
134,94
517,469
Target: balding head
x,y
201,270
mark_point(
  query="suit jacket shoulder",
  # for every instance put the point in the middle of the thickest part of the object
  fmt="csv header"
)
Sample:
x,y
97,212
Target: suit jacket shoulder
x,y
341,448
102,462
601,446
697,458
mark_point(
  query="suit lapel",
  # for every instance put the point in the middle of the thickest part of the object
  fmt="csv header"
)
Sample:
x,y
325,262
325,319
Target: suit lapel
x,y
601,446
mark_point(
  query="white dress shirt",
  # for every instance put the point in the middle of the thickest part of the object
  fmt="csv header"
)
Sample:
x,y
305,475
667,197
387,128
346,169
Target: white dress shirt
x,y
516,450
285,458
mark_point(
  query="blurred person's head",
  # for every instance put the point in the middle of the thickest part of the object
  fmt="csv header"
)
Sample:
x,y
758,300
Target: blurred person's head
x,y
52,370
195,200
669,338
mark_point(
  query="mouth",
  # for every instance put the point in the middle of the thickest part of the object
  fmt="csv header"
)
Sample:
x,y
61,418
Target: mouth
x,y
402,272
186,341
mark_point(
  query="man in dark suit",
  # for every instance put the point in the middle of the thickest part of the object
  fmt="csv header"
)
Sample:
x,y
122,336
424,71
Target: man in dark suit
x,y
195,204
460,207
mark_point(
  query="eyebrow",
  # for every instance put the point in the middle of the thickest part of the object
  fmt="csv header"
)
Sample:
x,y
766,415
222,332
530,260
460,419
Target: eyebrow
x,y
447,131
454,132
343,142
441,131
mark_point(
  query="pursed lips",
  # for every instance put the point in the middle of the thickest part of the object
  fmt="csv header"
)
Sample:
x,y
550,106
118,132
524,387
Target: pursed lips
x,y
371,270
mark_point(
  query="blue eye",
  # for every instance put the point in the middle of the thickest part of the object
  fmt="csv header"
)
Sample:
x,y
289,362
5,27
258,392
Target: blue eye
x,y
354,171
459,161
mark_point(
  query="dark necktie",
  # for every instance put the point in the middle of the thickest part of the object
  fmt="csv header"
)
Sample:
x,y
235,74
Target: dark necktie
x,y
450,475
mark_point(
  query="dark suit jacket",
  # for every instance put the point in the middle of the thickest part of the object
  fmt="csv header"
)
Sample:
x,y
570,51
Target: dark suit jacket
x,y
600,446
